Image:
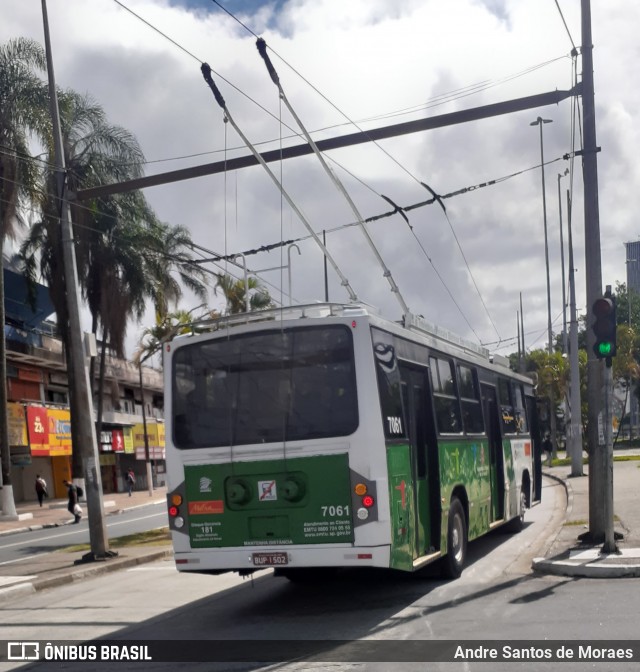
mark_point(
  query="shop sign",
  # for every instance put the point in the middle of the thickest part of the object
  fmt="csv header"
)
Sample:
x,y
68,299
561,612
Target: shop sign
x,y
17,425
49,431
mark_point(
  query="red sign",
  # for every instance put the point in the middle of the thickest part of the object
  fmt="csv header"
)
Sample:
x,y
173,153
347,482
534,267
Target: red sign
x,y
118,441
38,426
212,506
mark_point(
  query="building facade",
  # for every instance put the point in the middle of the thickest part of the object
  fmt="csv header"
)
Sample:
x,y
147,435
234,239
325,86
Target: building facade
x,y
38,405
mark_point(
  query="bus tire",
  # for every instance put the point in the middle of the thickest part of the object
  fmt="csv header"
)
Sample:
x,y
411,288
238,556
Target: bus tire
x,y
517,524
454,560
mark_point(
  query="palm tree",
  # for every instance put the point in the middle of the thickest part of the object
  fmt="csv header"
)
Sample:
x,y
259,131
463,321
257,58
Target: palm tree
x,y
23,110
235,294
166,327
168,254
123,253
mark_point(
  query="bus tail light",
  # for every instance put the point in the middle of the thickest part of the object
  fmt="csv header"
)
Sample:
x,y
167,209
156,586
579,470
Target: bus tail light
x,y
175,500
368,501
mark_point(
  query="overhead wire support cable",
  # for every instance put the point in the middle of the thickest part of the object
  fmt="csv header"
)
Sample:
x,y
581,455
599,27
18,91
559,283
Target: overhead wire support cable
x,y
262,49
206,73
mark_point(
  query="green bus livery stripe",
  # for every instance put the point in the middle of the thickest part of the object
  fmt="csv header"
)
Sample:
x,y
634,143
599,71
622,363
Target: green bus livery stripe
x,y
304,500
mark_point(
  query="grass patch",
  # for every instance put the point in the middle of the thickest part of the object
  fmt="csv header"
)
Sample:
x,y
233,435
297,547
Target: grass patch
x,y
566,461
576,522
159,537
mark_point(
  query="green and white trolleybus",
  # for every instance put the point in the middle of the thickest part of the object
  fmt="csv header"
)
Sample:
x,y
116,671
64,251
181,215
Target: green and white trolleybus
x,y
323,436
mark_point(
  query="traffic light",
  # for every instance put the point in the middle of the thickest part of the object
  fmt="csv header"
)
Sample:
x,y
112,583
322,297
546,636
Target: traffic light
x,y
604,327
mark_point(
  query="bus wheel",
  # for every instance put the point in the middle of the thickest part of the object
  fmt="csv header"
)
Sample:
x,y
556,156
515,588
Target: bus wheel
x,y
517,524
456,541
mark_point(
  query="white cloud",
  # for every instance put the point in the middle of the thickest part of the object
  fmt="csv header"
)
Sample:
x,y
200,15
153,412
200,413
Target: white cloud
x,y
370,58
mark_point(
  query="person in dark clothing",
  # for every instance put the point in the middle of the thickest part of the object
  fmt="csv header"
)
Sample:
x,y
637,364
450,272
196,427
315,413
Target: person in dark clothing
x,y
547,447
41,489
72,505
131,480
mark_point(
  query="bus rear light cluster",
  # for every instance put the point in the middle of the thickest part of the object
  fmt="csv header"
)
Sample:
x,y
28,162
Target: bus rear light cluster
x,y
174,511
367,501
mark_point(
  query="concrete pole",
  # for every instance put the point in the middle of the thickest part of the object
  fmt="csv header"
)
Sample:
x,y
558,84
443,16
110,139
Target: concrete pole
x,y
593,268
564,298
607,489
86,436
552,404
146,436
575,401
539,122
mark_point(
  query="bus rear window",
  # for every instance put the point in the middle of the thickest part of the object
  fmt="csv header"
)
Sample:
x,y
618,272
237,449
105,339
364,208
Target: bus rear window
x,y
264,387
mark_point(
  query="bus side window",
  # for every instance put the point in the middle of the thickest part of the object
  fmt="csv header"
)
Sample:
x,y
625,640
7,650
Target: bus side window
x,y
470,400
506,407
445,399
390,391
519,409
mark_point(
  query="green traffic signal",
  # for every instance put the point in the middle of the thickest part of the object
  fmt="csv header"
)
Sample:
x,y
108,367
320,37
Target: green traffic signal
x,y
605,349
604,327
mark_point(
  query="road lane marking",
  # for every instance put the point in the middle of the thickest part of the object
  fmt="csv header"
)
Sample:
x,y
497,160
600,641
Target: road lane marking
x,y
67,534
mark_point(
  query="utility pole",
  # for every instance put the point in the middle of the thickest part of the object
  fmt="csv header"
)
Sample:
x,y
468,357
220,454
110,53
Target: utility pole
x,y
575,402
79,381
564,298
144,429
552,404
593,266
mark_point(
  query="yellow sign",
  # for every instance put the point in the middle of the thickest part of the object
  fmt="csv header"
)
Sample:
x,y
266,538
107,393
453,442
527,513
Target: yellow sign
x,y
154,431
59,432
128,439
17,425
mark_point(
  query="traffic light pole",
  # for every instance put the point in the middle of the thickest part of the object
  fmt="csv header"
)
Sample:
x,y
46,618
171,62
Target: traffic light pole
x,y
593,270
607,489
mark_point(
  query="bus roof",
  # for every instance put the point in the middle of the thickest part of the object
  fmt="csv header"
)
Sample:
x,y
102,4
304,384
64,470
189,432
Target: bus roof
x,y
437,337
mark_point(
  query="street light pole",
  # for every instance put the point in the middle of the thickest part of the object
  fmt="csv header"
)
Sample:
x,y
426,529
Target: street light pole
x,y
564,298
539,122
552,411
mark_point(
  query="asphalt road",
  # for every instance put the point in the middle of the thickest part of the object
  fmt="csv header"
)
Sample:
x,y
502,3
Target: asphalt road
x,y
497,597
14,547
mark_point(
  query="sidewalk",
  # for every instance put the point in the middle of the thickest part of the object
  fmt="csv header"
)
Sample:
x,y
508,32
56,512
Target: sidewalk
x,y
568,555
46,570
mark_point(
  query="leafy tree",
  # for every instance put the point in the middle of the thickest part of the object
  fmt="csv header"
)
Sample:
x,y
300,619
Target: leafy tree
x,y
234,293
23,110
166,327
124,254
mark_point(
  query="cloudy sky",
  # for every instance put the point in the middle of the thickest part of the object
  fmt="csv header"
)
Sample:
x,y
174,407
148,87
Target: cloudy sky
x,y
346,65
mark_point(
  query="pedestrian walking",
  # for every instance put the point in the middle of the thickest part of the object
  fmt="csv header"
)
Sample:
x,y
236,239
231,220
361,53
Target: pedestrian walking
x,y
547,447
131,480
72,504
41,489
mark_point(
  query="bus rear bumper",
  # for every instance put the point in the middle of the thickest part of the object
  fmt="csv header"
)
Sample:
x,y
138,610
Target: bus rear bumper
x,y
247,560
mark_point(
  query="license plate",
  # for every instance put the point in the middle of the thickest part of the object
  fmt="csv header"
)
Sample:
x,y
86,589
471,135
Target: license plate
x,y
269,559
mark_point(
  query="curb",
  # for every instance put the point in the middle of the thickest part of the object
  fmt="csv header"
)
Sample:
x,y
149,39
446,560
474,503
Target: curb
x,y
84,572
590,571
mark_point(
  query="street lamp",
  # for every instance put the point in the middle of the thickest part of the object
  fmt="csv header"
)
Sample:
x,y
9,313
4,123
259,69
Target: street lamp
x,y
564,299
539,122
552,407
